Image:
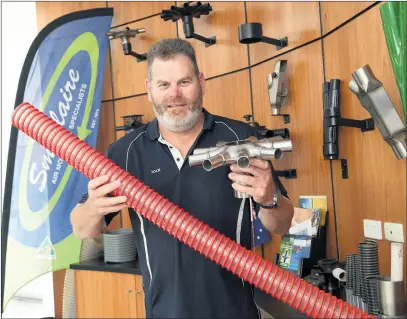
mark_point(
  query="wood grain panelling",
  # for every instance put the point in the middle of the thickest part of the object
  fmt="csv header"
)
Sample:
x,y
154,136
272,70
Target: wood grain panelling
x,y
106,127
107,80
59,278
125,12
227,54
128,74
101,294
335,13
229,95
48,11
305,79
299,21
376,188
135,105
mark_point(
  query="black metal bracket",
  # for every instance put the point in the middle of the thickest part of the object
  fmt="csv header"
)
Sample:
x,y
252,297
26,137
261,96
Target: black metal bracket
x,y
286,118
364,125
264,132
344,168
287,173
280,132
186,13
279,43
253,32
125,36
332,120
131,122
128,51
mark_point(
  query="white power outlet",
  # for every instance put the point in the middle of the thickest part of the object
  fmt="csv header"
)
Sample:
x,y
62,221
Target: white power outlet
x,y
394,232
372,229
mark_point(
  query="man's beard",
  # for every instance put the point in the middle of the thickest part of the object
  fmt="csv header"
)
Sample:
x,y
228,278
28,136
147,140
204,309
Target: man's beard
x,y
173,120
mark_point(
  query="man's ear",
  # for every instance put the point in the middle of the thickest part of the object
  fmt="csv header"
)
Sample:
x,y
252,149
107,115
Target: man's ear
x,y
147,84
202,82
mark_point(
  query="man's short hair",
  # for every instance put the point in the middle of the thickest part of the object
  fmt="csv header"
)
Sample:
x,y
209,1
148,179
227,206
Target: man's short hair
x,y
167,49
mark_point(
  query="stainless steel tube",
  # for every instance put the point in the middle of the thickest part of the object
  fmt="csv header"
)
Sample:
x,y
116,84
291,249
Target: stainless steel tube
x,y
391,297
376,101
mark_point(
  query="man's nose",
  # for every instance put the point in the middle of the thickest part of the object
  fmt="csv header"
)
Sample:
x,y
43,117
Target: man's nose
x,y
175,90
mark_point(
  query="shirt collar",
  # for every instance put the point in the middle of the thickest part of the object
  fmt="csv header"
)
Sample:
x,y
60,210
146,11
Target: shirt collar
x,y
153,133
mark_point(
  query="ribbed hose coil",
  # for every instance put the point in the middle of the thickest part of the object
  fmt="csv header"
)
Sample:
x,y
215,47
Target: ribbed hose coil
x,y
269,278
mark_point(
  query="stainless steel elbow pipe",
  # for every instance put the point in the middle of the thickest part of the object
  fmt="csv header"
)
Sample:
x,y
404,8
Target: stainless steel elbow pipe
x,y
375,100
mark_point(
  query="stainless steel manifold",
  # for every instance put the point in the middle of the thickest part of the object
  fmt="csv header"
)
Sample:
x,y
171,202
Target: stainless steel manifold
x,y
240,152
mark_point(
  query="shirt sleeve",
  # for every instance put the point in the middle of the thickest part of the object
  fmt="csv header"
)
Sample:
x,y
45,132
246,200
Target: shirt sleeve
x,y
109,217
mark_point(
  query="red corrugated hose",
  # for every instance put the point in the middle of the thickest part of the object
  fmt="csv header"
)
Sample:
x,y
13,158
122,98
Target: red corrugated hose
x,y
269,278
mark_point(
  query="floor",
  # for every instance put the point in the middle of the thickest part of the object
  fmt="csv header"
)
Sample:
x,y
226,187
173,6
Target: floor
x,y
27,308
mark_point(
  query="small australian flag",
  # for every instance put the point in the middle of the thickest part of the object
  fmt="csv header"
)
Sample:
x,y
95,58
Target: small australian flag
x,y
260,233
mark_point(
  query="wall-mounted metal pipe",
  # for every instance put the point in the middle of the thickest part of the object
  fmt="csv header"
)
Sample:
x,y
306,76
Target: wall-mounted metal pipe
x,y
283,145
376,101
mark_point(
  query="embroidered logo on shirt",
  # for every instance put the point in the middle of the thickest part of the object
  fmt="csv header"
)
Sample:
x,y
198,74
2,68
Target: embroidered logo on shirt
x,y
153,171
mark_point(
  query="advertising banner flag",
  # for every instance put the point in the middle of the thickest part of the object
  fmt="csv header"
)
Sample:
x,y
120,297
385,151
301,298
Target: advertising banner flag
x,y
63,77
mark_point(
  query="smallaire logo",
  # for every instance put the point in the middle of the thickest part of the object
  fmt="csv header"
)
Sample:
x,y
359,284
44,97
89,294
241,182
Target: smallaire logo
x,y
35,171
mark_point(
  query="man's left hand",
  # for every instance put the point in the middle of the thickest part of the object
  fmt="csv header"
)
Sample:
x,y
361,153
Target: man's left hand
x,y
259,184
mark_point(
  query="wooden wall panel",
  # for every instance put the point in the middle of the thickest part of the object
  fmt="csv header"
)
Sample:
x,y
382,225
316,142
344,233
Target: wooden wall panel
x,y
299,21
335,13
135,105
376,188
107,93
125,12
305,78
128,74
58,281
229,95
48,11
93,300
106,127
227,54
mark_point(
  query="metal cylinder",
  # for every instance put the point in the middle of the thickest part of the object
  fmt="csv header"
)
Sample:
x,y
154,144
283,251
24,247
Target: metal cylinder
x,y
213,162
391,297
393,317
271,153
243,161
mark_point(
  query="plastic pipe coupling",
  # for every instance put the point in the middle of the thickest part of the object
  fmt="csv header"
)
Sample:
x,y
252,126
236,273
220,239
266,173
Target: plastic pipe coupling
x,y
240,153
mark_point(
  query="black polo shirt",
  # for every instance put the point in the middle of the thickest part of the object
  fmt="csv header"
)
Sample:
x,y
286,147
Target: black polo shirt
x,y
179,282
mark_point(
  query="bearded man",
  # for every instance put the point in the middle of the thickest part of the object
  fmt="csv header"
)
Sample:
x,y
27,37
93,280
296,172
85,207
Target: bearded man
x,y
177,281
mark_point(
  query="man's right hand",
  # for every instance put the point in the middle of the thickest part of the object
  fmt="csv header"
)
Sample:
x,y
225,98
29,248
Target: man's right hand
x,y
98,203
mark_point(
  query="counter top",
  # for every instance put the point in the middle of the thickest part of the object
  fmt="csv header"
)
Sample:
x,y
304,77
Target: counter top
x,y
267,303
99,264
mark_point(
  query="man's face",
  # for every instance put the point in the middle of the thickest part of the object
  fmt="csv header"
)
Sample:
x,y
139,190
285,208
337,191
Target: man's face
x,y
176,93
